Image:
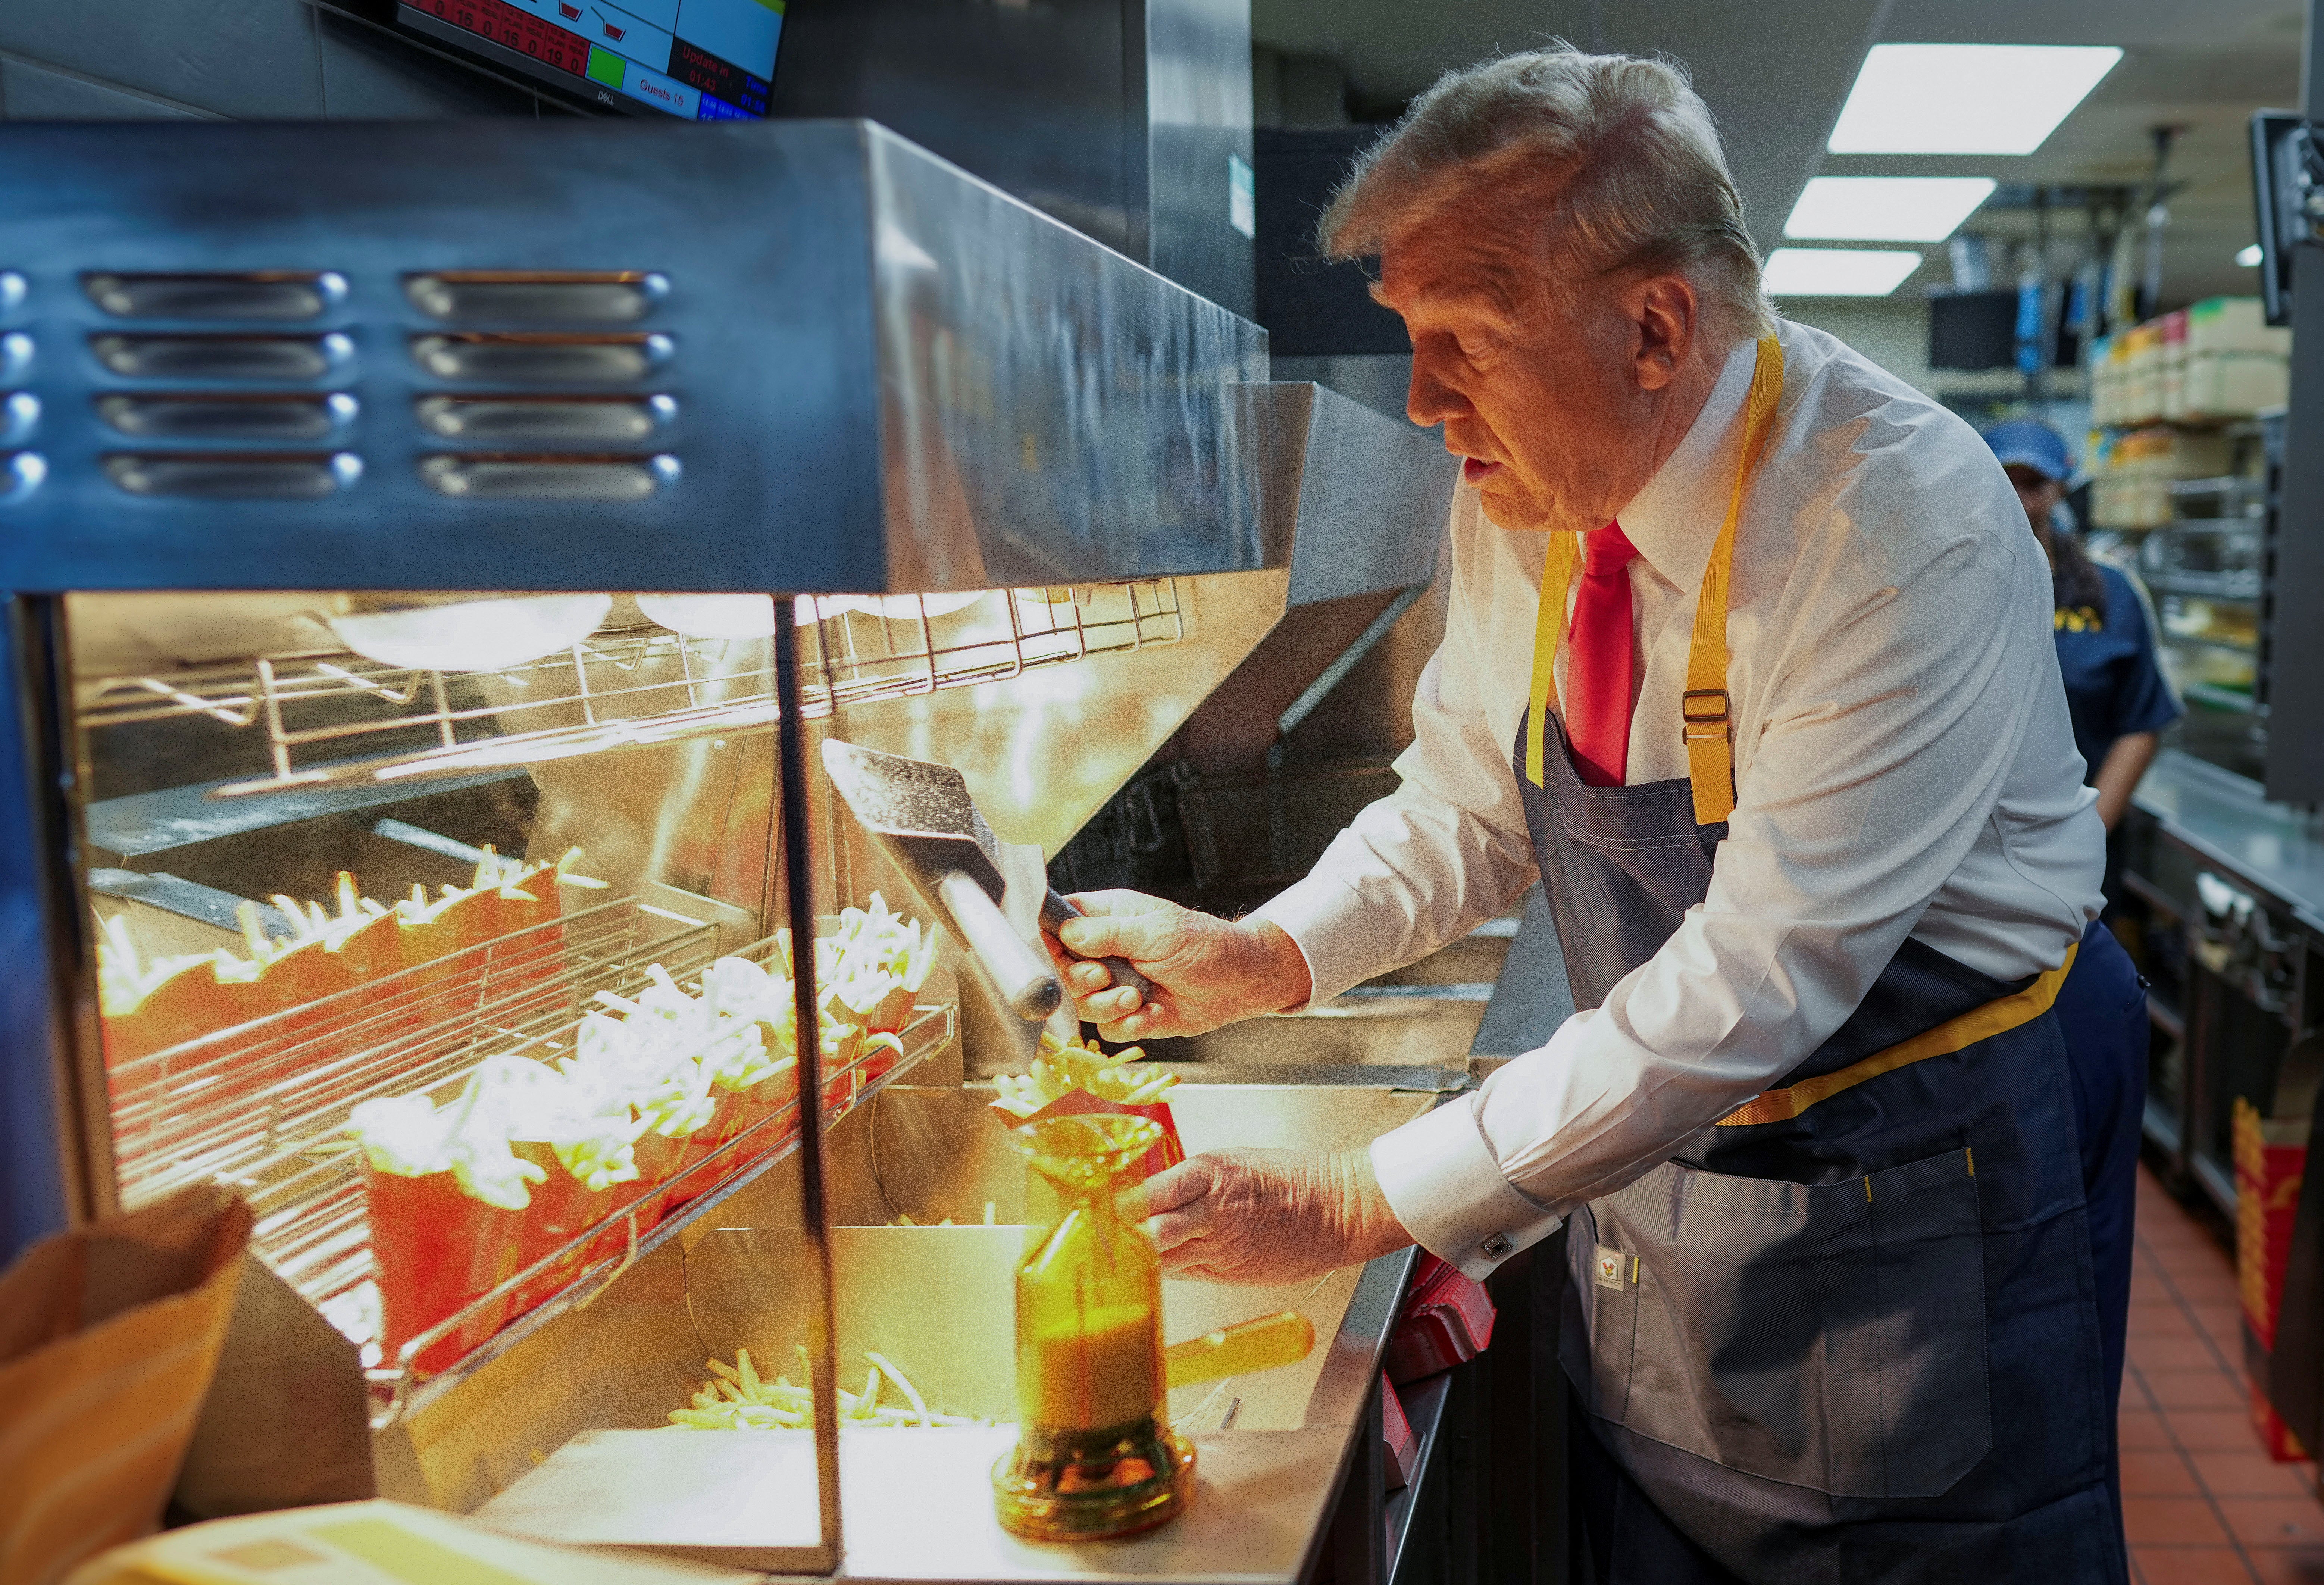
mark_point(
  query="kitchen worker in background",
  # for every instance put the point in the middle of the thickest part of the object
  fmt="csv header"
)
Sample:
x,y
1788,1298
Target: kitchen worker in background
x,y
1749,658
2114,688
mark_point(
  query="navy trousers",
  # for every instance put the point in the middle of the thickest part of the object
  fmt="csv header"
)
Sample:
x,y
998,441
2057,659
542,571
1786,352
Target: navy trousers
x,y
2102,1014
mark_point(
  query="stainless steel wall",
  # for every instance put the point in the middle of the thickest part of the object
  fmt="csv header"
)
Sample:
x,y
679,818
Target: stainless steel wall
x,y
1197,128
1118,118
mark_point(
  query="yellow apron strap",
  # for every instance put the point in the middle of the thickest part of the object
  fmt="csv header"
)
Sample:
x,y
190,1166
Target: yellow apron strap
x,y
1979,1023
1707,723
1548,631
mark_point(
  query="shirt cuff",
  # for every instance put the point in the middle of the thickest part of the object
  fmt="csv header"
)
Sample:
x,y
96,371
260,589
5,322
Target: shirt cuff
x,y
1326,921
1447,1189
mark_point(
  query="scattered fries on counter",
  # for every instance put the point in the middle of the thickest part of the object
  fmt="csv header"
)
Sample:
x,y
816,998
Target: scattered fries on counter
x,y
1063,1068
736,1398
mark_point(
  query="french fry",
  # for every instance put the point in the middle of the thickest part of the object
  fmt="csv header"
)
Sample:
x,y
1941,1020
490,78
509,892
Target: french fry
x,y
887,1368
1060,1069
737,1398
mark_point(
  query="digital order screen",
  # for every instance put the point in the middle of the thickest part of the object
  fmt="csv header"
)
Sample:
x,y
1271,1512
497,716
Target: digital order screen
x,y
701,59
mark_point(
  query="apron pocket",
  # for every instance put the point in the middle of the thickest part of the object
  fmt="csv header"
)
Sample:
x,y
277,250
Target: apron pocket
x,y
1825,1335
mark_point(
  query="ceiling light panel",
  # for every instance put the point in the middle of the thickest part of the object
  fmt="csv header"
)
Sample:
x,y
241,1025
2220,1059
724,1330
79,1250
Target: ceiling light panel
x,y
1838,272
1886,208
1966,98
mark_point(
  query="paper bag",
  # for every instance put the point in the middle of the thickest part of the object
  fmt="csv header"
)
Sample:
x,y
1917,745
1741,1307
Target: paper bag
x,y
108,1337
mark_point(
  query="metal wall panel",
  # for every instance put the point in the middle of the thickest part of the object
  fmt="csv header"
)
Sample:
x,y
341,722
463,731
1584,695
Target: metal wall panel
x,y
103,59
1116,116
1035,99
2295,700
1197,128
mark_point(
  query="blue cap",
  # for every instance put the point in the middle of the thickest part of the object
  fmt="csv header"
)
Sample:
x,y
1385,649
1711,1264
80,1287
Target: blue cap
x,y
2029,443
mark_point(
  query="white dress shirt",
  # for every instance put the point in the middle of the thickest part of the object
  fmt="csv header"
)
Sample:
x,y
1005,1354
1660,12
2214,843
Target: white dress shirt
x,y
1905,766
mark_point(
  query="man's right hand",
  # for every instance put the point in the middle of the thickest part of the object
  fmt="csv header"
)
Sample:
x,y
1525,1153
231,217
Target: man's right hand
x,y
1205,971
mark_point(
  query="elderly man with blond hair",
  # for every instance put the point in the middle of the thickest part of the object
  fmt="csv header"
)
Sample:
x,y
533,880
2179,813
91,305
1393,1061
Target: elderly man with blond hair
x,y
1748,660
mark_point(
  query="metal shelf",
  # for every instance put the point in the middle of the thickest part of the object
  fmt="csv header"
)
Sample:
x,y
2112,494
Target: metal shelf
x,y
395,1384
2250,524
2249,652
2239,585
2161,1124
264,1107
2216,1182
2219,698
2164,1018
264,1104
629,685
2221,484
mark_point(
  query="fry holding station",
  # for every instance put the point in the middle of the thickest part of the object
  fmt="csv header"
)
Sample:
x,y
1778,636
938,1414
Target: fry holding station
x,y
491,606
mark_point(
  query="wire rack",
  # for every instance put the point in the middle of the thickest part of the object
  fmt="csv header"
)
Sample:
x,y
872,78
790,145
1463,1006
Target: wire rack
x,y
336,716
264,1107
576,1272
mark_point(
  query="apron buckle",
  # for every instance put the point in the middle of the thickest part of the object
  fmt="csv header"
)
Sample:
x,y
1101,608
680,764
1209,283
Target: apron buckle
x,y
1715,719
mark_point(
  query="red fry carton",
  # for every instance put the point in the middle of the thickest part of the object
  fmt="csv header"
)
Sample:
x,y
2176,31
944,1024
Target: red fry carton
x,y
1447,1319
1166,1152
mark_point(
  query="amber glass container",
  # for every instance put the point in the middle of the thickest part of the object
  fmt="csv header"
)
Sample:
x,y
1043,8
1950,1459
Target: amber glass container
x,y
1093,1456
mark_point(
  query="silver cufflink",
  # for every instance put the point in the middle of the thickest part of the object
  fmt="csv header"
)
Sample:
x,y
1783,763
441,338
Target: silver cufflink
x,y
1497,1245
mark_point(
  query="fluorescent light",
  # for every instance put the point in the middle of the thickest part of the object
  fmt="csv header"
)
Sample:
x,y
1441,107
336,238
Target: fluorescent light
x,y
1966,98
1838,272
2251,257
1886,208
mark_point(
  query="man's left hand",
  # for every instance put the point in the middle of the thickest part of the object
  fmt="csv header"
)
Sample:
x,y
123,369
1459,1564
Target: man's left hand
x,y
1261,1217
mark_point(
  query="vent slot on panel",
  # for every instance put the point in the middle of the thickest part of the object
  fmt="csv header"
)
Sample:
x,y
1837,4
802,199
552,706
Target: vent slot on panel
x,y
222,357
12,292
519,357
252,294
20,415
511,476
15,355
599,419
20,472
221,414
235,475
537,297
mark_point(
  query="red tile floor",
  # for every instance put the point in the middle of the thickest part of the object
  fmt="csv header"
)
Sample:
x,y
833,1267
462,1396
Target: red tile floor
x,y
2202,1503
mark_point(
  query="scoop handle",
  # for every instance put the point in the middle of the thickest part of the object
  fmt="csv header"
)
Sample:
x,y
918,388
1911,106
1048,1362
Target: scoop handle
x,y
1056,910
1281,1339
1025,975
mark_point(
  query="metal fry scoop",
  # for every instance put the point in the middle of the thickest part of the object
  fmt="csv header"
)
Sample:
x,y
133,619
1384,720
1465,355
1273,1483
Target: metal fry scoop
x,y
922,815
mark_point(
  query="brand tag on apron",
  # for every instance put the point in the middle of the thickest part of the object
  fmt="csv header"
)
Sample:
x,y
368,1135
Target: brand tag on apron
x,y
1608,1268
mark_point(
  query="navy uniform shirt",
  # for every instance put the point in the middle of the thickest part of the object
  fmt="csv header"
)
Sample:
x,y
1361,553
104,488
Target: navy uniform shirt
x,y
2114,683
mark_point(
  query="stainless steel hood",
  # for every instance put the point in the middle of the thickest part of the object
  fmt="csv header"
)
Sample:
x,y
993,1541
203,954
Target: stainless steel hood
x,y
829,362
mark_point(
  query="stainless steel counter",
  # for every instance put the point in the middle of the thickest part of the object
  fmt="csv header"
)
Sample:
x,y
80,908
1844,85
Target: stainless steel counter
x,y
917,1505
2273,848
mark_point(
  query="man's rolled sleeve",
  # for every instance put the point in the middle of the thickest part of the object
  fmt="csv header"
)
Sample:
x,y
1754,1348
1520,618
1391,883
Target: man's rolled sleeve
x,y
1445,1187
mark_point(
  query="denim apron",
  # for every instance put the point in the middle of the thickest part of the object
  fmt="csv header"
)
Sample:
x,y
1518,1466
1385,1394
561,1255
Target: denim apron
x,y
1849,1332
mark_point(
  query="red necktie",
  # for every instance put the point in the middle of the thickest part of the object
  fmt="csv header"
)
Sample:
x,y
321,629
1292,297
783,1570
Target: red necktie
x,y
1599,661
